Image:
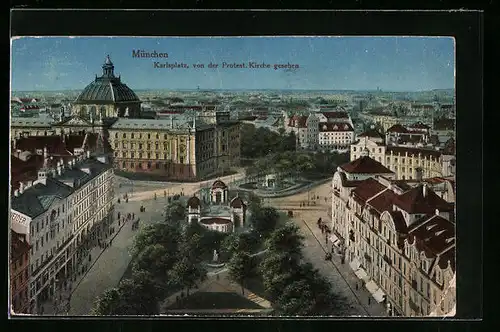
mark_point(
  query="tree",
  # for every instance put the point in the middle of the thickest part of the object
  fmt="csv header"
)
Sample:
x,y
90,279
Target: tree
x,y
192,248
108,303
175,212
186,273
166,234
254,203
296,299
286,239
239,242
241,267
155,259
264,220
136,296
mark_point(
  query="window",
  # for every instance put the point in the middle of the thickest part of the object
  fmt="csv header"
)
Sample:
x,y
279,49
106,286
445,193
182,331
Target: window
x,y
132,135
149,136
124,135
116,135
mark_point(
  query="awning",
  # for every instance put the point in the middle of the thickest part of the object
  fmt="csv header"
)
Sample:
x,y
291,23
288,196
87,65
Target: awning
x,y
361,274
379,295
333,238
371,286
354,264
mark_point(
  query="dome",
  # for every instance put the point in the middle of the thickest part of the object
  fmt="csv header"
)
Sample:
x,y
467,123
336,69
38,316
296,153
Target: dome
x,y
107,88
237,202
219,184
193,202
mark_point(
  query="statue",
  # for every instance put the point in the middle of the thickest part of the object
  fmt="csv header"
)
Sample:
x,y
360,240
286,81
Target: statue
x,y
126,112
216,256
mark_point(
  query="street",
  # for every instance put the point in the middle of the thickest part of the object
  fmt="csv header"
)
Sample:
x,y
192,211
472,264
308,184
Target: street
x,y
340,275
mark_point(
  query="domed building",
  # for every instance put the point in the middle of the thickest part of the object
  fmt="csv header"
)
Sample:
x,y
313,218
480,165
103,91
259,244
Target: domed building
x,y
107,97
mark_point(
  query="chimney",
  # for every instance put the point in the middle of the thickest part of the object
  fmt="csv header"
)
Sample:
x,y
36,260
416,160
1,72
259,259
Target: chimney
x,y
424,190
14,141
21,187
171,122
16,192
88,154
59,168
437,212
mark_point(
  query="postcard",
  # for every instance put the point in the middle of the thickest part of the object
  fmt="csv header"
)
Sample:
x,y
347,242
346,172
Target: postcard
x,y
255,176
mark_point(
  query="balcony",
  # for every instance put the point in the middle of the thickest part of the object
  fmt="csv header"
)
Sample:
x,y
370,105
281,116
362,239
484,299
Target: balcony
x,y
387,259
413,305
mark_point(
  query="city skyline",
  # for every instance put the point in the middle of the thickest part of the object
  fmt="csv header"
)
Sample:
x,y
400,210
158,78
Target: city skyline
x,y
392,64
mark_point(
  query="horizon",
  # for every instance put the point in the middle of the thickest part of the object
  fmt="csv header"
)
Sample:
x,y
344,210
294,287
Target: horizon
x,y
393,64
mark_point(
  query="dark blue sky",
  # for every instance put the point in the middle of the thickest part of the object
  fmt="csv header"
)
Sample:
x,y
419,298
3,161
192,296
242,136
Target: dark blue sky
x,y
326,63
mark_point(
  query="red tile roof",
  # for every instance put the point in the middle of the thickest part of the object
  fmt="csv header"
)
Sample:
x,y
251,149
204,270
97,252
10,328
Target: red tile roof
x,y
237,202
399,221
336,115
433,235
334,126
419,125
365,165
383,201
414,201
444,124
411,151
397,128
367,189
371,133
298,121
193,202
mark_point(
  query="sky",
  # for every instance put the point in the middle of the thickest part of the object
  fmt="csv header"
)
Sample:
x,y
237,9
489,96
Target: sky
x,y
325,63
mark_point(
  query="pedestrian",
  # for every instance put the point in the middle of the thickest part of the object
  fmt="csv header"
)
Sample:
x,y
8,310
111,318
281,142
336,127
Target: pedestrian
x,y
357,286
369,301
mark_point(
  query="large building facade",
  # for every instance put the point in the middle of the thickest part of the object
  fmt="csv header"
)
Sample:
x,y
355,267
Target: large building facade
x,y
186,151
61,214
398,237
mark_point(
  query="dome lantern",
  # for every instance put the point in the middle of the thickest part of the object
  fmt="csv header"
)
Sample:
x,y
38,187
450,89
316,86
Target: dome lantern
x,y
108,68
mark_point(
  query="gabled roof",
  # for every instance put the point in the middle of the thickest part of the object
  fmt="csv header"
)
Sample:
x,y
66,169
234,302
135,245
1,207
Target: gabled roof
x,y
336,115
371,133
368,188
414,201
383,201
365,165
433,235
397,128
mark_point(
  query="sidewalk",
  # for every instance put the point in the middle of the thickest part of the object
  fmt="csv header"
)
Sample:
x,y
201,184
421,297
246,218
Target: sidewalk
x,y
61,303
362,294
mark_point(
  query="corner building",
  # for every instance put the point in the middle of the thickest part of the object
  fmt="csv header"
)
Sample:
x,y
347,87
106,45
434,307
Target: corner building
x,y
175,151
62,214
397,236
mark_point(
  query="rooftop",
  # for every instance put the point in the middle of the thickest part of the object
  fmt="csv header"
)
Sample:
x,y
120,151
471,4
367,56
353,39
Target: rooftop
x,y
365,165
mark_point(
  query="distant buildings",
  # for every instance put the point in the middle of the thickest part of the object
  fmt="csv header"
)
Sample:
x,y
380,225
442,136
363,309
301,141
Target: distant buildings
x,y
107,107
408,151
398,236
326,131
